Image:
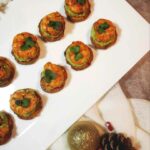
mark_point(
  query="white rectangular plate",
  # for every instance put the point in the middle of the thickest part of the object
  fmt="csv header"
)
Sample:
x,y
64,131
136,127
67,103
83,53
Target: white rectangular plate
x,y
84,87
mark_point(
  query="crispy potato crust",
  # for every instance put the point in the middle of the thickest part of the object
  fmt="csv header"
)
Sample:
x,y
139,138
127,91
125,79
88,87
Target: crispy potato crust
x,y
6,127
56,84
82,63
50,33
77,12
107,38
7,72
28,56
30,111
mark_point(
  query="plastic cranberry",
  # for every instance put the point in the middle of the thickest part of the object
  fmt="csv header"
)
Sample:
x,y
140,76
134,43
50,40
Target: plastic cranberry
x,y
109,126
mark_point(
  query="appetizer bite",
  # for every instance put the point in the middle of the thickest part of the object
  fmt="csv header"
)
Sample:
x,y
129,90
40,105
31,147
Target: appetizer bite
x,y
6,127
77,10
103,34
78,55
53,78
25,48
26,103
83,135
7,72
52,26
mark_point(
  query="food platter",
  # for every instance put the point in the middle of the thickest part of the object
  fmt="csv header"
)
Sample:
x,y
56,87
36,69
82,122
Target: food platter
x,y
83,88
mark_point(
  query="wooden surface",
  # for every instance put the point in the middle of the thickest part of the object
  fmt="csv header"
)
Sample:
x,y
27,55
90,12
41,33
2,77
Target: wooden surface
x,y
142,6
136,83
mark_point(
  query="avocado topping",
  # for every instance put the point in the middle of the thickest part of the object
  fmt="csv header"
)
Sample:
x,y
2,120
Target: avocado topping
x,y
24,102
101,43
55,24
103,27
28,44
49,75
76,51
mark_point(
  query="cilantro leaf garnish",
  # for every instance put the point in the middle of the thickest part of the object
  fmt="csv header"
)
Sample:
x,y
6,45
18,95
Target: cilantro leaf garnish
x,y
76,51
78,56
103,27
81,1
28,44
24,102
49,75
55,24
